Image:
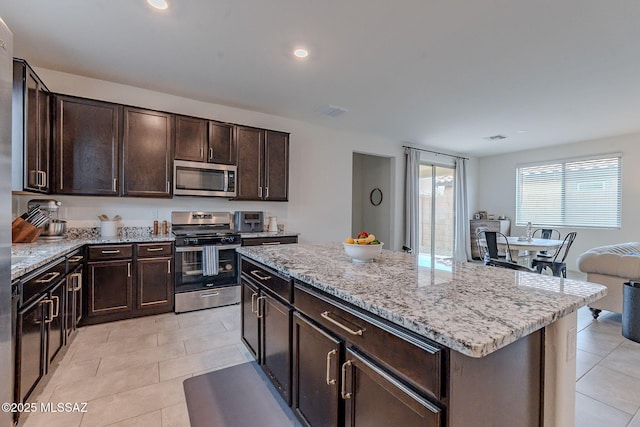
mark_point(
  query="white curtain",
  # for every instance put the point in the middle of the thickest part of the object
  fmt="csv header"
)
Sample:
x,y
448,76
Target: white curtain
x,y
461,244
411,198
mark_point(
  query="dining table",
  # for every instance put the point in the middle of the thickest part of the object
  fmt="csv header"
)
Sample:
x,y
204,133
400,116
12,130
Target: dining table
x,y
517,244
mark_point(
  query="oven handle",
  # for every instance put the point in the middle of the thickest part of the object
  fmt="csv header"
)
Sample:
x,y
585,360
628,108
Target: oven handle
x,y
199,248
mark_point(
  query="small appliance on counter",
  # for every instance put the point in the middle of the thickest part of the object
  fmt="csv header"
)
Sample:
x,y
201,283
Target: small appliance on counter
x,y
249,222
54,228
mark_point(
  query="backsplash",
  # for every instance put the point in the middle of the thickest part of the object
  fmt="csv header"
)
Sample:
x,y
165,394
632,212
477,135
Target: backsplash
x,y
94,232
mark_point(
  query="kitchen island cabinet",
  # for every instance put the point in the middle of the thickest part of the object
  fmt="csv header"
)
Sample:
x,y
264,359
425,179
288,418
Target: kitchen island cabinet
x,y
475,345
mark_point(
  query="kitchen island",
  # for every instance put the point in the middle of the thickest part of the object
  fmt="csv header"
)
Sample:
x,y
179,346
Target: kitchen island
x,y
487,334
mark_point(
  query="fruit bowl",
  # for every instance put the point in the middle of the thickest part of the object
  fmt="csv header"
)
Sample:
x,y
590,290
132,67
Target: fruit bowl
x,y
363,253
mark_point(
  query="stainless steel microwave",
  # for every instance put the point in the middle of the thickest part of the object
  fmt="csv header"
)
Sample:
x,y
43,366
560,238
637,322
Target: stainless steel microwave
x,y
203,179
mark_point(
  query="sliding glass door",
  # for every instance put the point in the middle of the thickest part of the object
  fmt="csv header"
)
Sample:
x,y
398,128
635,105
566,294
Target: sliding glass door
x,y
436,216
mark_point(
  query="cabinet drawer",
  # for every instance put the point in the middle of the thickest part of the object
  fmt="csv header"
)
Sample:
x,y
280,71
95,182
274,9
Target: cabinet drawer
x,y
413,360
36,283
145,250
257,241
106,252
268,279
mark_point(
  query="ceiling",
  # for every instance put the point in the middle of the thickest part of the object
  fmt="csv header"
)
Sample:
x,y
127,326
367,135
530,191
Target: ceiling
x,y
441,73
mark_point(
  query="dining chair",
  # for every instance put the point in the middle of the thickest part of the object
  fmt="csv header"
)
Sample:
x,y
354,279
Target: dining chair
x,y
556,264
547,233
491,245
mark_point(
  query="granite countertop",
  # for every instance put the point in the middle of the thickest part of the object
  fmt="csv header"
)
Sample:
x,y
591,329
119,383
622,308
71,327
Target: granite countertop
x,y
468,307
41,252
269,234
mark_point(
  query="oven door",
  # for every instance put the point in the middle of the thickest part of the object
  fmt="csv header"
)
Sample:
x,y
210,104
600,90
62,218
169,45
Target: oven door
x,y
190,269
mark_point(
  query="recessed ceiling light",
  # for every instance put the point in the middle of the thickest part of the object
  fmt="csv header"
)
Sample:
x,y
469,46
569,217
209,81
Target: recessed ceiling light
x,y
301,53
158,4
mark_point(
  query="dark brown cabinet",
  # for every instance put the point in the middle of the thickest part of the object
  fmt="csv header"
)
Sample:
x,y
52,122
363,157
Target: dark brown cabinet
x,y
147,153
155,283
125,281
73,313
201,140
263,164
316,371
40,333
266,241
31,124
250,322
109,282
87,146
266,323
375,398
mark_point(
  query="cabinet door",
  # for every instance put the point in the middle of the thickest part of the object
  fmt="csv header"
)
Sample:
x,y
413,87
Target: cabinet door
x,y
222,147
110,288
316,371
374,398
31,129
249,321
86,146
155,284
30,340
250,157
147,153
276,161
276,343
191,139
57,299
44,138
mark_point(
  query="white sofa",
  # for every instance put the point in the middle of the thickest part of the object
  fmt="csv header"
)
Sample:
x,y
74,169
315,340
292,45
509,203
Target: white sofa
x,y
611,266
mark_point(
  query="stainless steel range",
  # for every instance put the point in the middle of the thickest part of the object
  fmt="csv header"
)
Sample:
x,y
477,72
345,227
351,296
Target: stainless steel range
x,y
206,262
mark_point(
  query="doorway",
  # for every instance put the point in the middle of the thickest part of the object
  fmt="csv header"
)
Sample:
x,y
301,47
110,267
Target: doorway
x,y
371,201
436,216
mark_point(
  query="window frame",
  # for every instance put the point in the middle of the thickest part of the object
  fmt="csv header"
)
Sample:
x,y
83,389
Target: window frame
x,y
563,223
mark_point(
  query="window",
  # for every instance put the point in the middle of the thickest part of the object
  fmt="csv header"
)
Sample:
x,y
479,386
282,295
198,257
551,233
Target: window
x,y
582,192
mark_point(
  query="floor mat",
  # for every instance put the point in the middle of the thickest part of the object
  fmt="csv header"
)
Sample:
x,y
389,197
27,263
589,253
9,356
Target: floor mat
x,y
238,396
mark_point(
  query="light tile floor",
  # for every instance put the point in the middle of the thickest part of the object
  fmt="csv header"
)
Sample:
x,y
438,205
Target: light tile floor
x,y
130,373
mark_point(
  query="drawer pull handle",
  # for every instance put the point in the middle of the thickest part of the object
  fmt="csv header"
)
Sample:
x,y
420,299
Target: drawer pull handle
x,y
256,273
117,251
270,243
50,319
154,249
325,315
210,294
253,302
330,381
78,277
343,392
76,258
57,309
49,277
260,313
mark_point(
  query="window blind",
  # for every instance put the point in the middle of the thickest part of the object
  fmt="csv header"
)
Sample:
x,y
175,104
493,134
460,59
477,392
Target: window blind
x,y
583,192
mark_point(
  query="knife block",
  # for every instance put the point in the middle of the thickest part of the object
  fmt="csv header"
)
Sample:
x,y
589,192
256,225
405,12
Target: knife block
x,y
23,232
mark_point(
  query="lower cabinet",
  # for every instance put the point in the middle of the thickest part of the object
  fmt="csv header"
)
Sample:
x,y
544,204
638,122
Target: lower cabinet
x,y
316,363
55,320
373,397
125,281
250,323
74,301
110,288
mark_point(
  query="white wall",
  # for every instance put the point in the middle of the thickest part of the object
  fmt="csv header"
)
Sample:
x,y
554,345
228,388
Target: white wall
x,y
371,172
319,204
496,188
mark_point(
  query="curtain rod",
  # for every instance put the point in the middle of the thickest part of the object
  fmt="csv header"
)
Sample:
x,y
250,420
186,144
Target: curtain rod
x,y
436,152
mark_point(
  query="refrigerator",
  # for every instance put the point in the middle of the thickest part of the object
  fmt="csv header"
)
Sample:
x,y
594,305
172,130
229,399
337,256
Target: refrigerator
x,y
6,351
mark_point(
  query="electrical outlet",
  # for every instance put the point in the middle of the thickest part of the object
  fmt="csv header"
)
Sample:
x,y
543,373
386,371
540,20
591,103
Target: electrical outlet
x,y
571,344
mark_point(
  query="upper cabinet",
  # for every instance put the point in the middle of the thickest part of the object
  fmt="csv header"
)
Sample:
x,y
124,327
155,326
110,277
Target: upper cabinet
x,y
147,155
201,140
263,164
86,141
31,129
